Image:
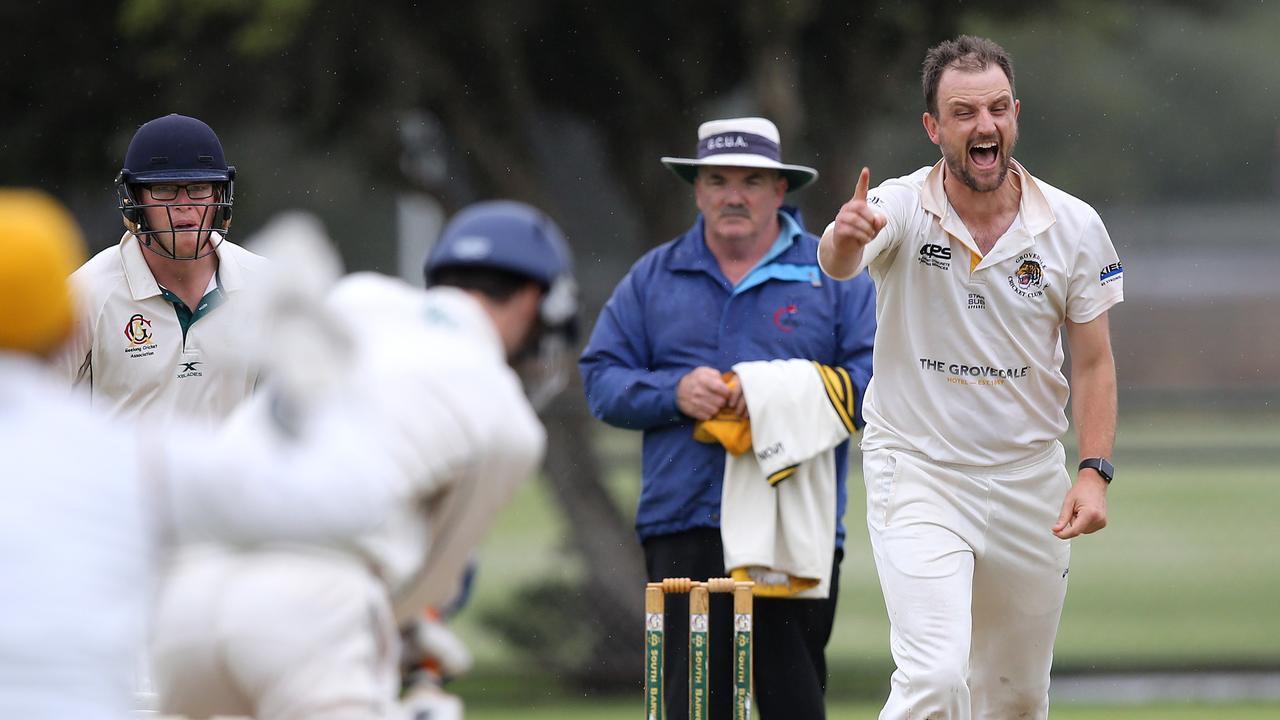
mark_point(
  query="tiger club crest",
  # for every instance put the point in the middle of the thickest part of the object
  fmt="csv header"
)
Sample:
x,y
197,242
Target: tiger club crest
x,y
1029,279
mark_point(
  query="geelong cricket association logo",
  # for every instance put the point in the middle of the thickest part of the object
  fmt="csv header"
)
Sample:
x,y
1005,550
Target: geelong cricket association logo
x,y
138,330
1029,279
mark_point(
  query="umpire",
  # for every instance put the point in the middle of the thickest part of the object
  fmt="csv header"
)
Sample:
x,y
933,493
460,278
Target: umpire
x,y
741,284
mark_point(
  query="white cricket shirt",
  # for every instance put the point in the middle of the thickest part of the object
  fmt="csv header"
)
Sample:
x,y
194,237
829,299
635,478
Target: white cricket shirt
x,y
139,351
432,377
968,352
87,503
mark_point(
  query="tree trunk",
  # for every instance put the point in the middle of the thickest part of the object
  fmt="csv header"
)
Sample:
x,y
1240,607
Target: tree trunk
x,y
614,578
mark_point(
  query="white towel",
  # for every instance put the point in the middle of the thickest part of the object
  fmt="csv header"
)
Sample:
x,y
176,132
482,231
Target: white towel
x,y
778,505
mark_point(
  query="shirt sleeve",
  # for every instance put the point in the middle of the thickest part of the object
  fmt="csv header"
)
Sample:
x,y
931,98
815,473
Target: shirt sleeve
x,y
1097,280
857,334
622,388
73,362
252,483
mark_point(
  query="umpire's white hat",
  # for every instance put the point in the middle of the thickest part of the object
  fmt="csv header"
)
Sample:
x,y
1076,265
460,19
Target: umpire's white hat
x,y
741,142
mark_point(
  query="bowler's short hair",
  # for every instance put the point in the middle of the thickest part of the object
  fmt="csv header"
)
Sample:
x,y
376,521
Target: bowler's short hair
x,y
967,53
494,283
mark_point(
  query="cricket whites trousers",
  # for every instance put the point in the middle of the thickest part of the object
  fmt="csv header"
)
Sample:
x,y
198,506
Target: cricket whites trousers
x,y
973,580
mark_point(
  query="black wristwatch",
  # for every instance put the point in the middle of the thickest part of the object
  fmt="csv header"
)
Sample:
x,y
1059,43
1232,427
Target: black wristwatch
x,y
1102,465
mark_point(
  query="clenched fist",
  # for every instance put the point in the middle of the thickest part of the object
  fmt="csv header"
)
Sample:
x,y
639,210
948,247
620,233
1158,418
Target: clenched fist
x,y
702,392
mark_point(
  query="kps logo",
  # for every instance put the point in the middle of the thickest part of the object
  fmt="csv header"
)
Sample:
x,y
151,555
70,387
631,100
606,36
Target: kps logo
x,y
934,255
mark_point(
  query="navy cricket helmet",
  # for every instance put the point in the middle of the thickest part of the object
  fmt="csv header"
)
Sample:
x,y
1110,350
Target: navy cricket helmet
x,y
177,150
517,238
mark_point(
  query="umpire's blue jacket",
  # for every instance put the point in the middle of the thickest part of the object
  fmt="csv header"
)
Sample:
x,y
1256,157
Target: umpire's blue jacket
x,y
675,311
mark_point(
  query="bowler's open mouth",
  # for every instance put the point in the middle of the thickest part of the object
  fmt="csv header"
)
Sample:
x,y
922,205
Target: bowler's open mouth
x,y
984,154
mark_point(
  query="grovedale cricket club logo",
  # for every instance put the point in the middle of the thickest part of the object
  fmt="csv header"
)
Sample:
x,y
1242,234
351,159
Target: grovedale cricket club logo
x,y
1028,280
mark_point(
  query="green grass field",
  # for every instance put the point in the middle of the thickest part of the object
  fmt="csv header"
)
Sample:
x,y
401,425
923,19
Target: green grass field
x,y
619,710
1185,576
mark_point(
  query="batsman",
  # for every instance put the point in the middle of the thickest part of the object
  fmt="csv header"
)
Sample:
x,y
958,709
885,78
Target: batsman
x,y
978,266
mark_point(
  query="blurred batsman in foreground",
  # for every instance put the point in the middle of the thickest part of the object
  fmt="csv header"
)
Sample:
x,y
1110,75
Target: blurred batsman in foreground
x,y
87,503
744,368
303,631
970,508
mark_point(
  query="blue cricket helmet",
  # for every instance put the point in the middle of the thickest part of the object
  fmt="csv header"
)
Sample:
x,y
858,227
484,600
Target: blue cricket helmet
x,y
517,238
176,149
505,235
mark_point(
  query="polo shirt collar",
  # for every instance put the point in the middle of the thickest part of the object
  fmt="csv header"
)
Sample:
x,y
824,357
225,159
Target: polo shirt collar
x,y
1034,208
1034,214
691,251
788,231
142,284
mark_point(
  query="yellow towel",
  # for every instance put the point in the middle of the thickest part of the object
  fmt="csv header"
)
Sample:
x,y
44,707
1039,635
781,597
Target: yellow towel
x,y
772,583
725,427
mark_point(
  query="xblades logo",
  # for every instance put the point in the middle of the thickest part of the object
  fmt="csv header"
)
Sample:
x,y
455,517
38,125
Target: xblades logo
x,y
188,369
934,255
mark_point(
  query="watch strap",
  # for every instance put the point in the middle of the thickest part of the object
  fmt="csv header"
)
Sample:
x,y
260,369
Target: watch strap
x,y
1101,465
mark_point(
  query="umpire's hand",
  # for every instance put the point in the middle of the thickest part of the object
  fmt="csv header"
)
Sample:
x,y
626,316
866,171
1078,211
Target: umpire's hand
x,y
701,393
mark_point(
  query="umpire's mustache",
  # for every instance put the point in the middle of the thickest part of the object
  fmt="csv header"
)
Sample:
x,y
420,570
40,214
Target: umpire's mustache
x,y
735,211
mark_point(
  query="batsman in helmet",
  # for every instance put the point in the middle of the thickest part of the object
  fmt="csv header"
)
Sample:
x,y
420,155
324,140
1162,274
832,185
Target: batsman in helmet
x,y
159,332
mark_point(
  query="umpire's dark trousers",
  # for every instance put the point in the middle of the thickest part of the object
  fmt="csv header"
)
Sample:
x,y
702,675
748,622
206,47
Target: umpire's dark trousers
x,y
790,665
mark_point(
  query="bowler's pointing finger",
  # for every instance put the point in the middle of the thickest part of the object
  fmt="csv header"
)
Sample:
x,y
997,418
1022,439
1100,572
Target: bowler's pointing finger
x,y
864,183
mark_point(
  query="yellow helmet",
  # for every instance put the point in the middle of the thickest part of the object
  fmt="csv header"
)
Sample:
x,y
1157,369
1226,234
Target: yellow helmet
x,y
40,245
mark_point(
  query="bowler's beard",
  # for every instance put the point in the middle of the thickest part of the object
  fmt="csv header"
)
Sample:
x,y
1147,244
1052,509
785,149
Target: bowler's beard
x,y
958,165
